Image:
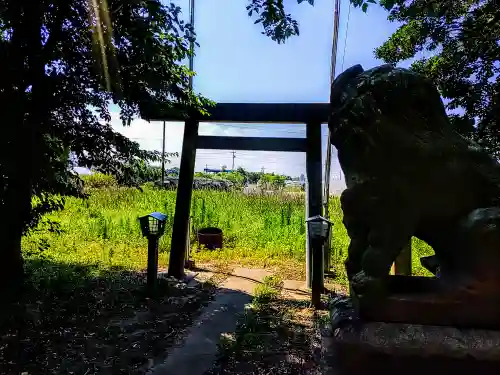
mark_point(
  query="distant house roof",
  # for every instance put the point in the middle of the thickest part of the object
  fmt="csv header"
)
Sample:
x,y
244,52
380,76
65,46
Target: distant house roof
x,y
209,170
297,183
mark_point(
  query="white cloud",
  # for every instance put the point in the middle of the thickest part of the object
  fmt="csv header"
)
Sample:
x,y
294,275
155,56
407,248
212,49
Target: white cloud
x,y
149,136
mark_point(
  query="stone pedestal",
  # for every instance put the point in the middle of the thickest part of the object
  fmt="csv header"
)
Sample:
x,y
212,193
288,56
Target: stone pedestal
x,y
353,346
398,348
423,300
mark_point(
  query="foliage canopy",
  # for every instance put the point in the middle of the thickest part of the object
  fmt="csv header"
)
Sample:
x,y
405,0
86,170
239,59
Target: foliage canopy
x,y
462,38
64,64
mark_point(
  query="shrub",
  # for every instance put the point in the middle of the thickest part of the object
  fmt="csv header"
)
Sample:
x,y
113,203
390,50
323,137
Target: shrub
x,y
99,181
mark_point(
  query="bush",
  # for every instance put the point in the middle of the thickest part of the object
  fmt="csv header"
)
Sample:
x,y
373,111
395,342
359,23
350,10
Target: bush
x,y
220,180
271,181
137,172
99,181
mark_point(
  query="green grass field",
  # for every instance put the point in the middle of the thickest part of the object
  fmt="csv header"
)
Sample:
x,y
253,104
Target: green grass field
x,y
103,231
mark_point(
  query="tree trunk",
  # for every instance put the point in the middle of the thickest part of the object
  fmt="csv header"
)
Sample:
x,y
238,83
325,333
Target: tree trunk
x,y
22,163
17,208
12,274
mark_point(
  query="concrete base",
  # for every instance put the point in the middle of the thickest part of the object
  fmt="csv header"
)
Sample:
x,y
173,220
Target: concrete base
x,y
296,290
427,301
355,347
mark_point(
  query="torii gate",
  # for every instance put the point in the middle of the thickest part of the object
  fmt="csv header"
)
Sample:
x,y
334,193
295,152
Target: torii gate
x,y
311,114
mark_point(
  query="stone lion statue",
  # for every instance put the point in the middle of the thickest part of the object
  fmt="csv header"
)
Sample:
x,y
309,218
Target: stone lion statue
x,y
408,173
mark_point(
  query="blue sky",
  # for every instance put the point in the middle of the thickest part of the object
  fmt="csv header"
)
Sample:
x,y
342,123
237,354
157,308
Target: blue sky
x,y
236,63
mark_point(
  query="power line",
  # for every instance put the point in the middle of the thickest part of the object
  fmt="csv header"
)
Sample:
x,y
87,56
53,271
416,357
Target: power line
x,y
328,161
333,62
191,44
163,155
345,37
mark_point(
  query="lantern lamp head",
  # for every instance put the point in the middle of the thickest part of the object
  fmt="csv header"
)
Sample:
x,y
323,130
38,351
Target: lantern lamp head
x,y
153,225
318,227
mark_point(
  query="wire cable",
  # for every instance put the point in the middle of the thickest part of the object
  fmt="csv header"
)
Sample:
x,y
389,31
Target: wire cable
x,y
345,37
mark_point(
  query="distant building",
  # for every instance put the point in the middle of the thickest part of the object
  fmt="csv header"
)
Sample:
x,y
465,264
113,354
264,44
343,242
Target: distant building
x,y
292,183
302,179
210,170
172,171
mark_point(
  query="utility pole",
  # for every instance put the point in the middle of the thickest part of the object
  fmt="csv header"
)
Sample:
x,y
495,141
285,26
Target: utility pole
x,y
191,44
163,157
234,156
328,164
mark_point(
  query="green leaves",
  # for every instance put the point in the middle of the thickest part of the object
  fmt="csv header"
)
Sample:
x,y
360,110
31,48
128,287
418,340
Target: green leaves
x,y
363,4
127,53
463,41
277,24
389,4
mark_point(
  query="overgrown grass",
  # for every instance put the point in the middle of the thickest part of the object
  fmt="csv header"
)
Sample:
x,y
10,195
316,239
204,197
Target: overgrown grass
x,y
257,327
271,336
258,229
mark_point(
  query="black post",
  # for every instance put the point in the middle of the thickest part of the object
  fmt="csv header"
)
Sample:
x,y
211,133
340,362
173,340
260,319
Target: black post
x,y
183,201
152,272
314,202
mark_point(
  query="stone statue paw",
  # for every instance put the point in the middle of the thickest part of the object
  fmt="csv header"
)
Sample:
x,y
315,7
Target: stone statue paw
x,y
364,284
342,312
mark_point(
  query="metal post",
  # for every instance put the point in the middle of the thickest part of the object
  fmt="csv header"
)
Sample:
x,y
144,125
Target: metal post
x,y
152,272
188,263
402,265
327,251
314,253
191,44
183,201
326,192
326,195
163,158
308,247
188,240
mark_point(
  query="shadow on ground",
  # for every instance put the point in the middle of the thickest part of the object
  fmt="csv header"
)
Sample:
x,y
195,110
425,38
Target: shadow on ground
x,y
277,338
75,319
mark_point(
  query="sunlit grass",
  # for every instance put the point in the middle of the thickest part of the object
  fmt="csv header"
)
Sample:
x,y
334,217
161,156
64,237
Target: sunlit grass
x,y
259,230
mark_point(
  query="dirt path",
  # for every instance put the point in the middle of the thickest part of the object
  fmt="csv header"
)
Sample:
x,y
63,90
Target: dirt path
x,y
198,350
279,335
256,324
